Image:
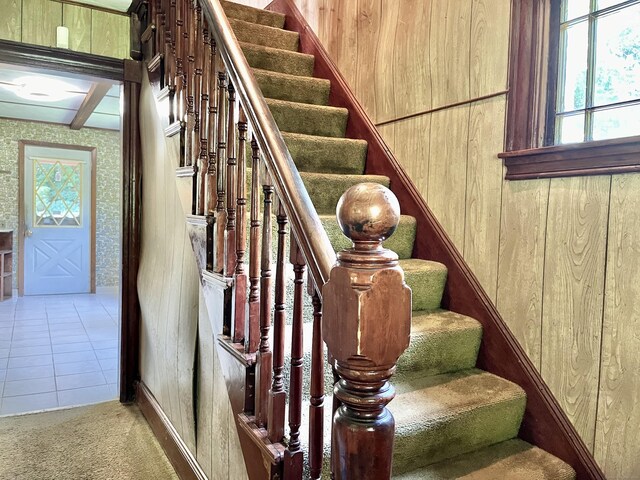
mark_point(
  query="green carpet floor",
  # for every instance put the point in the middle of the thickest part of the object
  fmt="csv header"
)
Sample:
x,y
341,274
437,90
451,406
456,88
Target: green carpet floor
x,y
106,441
452,420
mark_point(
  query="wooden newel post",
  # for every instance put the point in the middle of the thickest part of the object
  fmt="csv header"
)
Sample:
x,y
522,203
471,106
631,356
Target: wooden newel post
x,y
367,321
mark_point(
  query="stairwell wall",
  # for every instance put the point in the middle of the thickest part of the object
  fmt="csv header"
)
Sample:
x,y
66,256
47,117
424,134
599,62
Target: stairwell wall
x,y
558,257
178,361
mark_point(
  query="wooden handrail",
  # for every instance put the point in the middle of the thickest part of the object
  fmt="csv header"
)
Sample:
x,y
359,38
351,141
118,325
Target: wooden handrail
x,y
305,222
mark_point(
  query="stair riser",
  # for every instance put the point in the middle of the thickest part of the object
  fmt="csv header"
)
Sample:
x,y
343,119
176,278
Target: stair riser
x,y
279,61
293,89
427,288
253,15
309,121
264,35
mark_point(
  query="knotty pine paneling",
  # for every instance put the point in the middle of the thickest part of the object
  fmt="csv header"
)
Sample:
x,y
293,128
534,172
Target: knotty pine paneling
x,y
573,294
40,18
78,21
11,20
484,190
521,261
618,416
446,185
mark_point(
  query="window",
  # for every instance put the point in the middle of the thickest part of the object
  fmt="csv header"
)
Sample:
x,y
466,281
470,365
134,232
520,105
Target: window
x,y
598,74
574,88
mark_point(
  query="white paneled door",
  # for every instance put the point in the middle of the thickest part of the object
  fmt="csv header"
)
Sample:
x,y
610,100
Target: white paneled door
x,y
57,223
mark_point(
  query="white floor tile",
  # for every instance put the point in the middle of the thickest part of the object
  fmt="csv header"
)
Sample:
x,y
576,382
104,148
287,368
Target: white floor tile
x,y
4,352
27,373
63,320
111,376
84,396
108,363
4,362
72,347
26,351
69,339
107,353
31,342
80,380
69,357
102,344
31,361
3,375
28,403
77,367
27,387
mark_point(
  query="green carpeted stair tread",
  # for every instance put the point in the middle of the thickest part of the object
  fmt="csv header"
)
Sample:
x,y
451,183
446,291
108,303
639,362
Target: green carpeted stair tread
x,y
313,153
510,460
264,35
427,280
325,189
293,88
400,242
443,416
253,15
309,119
441,342
278,60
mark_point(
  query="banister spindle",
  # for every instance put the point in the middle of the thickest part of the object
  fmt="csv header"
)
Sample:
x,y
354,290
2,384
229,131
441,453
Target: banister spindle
x,y
230,246
180,101
221,217
170,56
293,455
367,321
277,396
316,401
240,283
190,38
212,135
203,123
264,361
253,327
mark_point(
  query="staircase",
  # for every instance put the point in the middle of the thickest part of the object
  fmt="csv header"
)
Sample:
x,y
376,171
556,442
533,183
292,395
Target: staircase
x,y
455,415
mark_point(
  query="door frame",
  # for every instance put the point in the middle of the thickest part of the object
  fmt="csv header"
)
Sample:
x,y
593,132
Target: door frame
x,y
129,72
22,145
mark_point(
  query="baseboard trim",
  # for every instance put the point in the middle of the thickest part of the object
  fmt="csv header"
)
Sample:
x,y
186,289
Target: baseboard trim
x,y
182,460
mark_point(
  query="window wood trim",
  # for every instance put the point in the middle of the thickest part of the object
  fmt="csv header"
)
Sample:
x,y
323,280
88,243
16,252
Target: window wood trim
x,y
532,54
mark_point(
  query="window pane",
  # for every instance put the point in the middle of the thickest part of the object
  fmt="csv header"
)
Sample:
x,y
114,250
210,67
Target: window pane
x,y
570,128
602,4
616,122
574,8
573,64
618,56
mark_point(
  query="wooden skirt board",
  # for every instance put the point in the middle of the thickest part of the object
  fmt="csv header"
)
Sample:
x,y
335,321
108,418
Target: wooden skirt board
x,y
57,210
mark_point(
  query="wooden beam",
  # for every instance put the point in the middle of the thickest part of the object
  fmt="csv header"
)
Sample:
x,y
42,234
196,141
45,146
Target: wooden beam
x,y
94,97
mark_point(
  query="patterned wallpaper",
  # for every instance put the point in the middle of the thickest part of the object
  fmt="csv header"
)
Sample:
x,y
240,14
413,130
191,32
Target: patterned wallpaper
x,y
108,185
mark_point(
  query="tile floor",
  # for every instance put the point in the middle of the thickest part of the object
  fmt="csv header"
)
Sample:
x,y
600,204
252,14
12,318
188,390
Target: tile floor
x,y
58,351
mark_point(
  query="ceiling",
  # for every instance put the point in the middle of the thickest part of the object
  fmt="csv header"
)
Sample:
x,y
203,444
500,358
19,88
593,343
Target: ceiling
x,y
43,108
119,5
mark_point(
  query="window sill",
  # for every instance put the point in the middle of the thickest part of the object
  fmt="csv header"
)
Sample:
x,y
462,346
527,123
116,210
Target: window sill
x,y
620,155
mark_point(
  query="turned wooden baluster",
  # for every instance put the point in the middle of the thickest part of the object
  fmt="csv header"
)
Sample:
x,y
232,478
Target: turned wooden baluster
x,y
203,123
240,284
212,135
264,361
293,456
190,39
170,57
196,82
179,97
221,217
252,337
316,401
367,320
230,247
277,396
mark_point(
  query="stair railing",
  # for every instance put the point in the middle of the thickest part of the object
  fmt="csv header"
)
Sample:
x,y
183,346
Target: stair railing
x,y
226,127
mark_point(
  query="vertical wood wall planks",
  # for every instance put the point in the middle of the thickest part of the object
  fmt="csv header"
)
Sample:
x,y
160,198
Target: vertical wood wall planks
x,y
11,21
573,295
78,21
40,18
109,34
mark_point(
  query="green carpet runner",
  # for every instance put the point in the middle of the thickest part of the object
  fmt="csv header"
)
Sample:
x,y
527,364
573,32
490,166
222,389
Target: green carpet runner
x,y
452,420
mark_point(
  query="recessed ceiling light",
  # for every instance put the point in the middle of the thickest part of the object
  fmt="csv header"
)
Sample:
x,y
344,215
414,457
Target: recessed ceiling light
x,y
42,89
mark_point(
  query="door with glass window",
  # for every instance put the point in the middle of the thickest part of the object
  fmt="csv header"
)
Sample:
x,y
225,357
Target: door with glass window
x,y
57,220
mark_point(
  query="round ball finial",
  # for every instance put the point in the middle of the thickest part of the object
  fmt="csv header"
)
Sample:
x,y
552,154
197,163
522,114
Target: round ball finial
x,y
368,212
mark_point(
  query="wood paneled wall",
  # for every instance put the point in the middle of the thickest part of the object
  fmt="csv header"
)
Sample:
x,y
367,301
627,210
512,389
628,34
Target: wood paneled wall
x,y
91,31
174,318
559,257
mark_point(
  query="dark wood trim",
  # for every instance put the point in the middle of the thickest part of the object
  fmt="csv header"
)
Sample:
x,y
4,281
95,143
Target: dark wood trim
x,y
544,424
61,60
131,232
93,97
182,460
22,144
620,155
